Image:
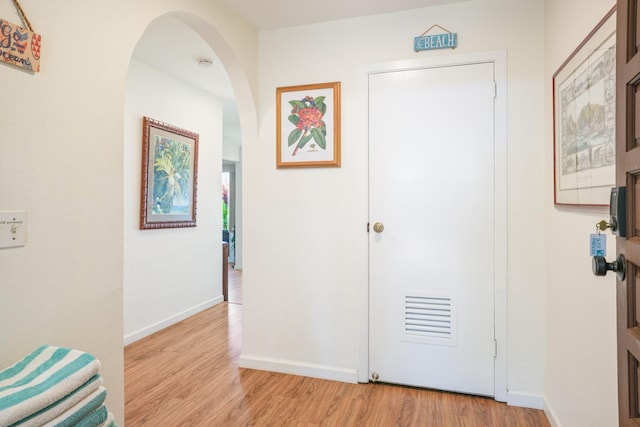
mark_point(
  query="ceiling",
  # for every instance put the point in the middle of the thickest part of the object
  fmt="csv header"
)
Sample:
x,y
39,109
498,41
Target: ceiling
x,y
272,14
173,48
169,38
176,49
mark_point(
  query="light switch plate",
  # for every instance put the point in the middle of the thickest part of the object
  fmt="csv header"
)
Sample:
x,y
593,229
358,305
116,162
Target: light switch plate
x,y
13,229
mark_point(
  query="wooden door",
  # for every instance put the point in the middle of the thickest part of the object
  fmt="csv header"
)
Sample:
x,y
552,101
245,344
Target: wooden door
x,y
432,267
628,174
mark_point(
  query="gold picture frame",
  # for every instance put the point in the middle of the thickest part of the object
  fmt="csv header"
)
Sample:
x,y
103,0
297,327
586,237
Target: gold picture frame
x,y
308,126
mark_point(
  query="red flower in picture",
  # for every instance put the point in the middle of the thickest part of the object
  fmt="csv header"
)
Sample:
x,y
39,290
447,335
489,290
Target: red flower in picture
x,y
306,115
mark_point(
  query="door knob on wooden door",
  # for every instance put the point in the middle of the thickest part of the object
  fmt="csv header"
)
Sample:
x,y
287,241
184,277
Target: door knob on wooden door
x,y
600,266
378,227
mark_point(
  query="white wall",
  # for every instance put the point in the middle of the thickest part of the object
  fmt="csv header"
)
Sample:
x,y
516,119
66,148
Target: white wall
x,y
305,241
61,159
580,357
170,274
231,132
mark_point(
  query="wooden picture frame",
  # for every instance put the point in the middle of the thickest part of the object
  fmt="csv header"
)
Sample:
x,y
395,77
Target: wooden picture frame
x,y
308,126
169,176
584,114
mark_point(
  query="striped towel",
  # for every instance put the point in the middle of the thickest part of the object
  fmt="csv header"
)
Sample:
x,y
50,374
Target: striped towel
x,y
42,378
110,422
63,405
95,418
75,415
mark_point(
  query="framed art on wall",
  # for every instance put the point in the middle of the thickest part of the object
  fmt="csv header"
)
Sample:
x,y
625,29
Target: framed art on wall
x,y
169,176
584,110
308,126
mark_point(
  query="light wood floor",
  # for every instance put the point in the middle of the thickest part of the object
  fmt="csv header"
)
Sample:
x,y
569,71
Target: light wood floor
x,y
188,375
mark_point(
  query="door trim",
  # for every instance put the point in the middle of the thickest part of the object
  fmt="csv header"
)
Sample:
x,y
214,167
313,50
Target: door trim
x,y
499,59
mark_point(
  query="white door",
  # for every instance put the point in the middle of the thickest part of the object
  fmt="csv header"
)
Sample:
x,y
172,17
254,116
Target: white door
x,y
432,167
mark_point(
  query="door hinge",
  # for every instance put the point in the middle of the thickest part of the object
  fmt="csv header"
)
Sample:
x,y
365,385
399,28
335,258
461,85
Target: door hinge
x,y
495,90
495,348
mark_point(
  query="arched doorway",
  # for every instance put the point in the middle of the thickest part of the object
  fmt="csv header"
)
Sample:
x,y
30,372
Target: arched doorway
x,y
185,74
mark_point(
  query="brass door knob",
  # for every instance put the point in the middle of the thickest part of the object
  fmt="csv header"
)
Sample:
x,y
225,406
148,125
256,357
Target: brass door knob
x,y
378,227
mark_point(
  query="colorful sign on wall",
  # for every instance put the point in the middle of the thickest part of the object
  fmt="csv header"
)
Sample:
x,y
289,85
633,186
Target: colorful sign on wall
x,y
435,41
19,46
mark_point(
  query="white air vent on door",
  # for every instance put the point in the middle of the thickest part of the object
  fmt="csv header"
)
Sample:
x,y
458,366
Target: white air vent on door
x,y
429,319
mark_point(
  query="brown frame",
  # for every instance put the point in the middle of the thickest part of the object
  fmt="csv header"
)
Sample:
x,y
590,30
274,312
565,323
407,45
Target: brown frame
x,y
299,146
586,185
154,131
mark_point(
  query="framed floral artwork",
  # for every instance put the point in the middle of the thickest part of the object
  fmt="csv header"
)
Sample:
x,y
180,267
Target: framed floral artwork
x,y
308,126
169,176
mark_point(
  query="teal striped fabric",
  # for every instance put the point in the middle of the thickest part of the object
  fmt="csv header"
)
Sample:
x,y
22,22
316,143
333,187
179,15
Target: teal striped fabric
x,y
94,419
65,404
18,367
82,411
41,379
109,422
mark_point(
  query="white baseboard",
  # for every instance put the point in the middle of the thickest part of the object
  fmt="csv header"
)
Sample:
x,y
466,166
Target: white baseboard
x,y
551,415
148,330
525,400
299,368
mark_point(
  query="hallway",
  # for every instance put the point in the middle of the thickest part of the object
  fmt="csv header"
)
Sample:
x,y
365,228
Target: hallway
x,y
235,285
